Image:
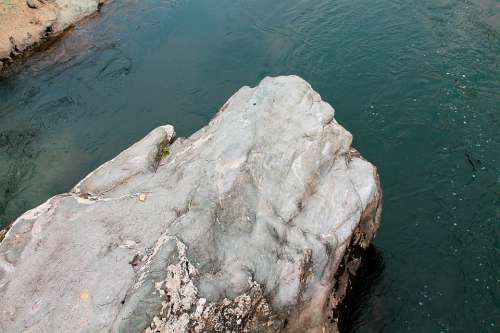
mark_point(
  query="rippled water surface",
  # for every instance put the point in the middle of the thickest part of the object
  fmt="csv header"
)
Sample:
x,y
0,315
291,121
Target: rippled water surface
x,y
416,82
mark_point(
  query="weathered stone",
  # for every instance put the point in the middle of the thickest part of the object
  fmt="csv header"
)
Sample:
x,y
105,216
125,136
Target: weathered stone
x,y
249,225
22,27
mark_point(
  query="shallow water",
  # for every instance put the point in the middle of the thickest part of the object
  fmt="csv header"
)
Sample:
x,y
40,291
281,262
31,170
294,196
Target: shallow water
x,y
416,82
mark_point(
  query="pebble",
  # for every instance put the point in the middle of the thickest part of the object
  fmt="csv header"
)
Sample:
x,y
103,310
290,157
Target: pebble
x,y
33,4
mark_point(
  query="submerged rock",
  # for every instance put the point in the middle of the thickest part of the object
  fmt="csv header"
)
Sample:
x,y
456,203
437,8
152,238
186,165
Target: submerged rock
x,y
252,224
25,23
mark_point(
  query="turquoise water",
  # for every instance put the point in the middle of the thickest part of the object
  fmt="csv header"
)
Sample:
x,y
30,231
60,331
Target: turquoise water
x,y
416,82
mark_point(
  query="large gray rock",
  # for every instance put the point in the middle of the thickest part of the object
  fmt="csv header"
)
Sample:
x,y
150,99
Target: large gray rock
x,y
248,225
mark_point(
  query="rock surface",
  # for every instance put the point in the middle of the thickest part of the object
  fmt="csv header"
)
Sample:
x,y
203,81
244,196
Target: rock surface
x,y
253,224
25,23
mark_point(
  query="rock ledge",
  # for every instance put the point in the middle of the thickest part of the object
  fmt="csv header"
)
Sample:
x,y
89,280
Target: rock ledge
x,y
253,224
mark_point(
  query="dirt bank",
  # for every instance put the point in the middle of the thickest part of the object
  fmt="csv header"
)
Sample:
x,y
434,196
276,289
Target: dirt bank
x,y
27,23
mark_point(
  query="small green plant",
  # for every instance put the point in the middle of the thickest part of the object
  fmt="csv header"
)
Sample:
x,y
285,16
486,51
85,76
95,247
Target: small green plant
x,y
164,151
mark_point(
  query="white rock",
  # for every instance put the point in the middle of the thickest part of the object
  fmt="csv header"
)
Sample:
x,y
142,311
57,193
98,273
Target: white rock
x,y
265,200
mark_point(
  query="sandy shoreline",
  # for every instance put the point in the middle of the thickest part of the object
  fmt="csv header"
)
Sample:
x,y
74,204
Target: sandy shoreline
x,y
26,23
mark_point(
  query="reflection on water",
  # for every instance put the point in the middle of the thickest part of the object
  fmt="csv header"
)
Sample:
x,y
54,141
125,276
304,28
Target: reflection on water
x,y
417,82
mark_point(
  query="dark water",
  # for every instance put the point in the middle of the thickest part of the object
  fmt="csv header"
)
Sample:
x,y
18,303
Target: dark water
x,y
417,83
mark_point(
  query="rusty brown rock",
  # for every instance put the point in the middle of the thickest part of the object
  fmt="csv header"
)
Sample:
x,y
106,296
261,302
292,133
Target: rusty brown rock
x,y
25,23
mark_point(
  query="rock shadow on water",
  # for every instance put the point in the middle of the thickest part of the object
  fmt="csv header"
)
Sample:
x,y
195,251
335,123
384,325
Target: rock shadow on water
x,y
363,286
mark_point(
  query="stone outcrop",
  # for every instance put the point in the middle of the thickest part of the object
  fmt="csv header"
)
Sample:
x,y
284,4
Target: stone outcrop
x,y
25,23
253,224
